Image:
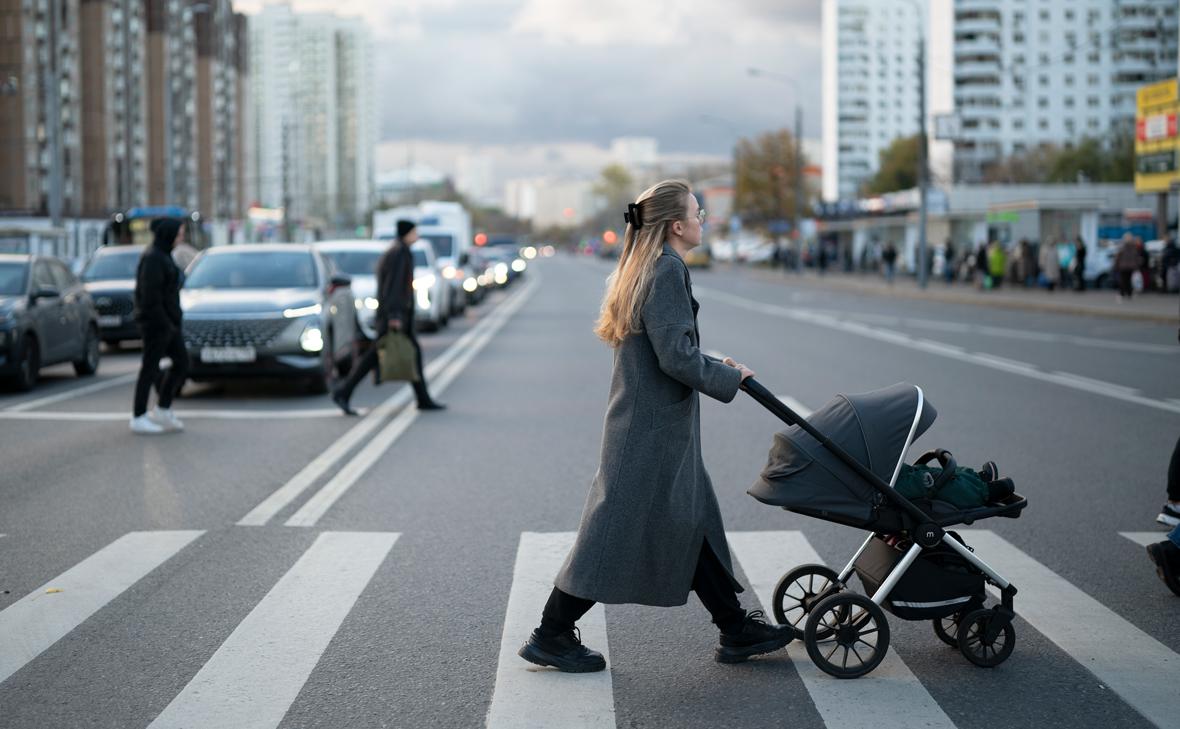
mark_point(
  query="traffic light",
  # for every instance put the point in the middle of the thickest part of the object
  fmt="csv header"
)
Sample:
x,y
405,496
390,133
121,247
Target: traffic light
x,y
481,239
610,238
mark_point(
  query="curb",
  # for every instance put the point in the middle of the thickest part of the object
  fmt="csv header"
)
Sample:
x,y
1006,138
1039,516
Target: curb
x,y
972,300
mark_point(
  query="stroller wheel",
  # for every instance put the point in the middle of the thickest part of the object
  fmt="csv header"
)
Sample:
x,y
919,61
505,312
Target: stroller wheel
x,y
801,589
947,629
846,635
978,646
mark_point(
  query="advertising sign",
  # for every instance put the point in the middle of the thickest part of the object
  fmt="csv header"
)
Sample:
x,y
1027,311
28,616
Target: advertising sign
x,y
1156,137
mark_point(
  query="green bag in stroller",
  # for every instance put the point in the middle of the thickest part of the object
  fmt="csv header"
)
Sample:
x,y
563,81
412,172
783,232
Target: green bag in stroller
x,y
961,487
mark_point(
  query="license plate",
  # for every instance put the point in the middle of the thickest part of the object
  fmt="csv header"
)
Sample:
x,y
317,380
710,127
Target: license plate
x,y
223,355
110,321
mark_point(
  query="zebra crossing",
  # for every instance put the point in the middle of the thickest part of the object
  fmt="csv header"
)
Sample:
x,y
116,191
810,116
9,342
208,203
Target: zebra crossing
x,y
256,674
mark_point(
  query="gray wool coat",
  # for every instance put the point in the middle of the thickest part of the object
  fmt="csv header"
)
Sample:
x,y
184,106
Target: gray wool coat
x,y
651,504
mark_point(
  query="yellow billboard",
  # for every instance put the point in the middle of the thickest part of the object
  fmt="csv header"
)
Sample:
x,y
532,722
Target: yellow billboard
x,y
1156,140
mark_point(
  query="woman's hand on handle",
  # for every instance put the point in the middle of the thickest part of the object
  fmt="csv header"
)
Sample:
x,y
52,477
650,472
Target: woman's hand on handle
x,y
746,371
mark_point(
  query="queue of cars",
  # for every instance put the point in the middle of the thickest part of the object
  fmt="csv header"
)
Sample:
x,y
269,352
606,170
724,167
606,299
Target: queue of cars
x,y
282,310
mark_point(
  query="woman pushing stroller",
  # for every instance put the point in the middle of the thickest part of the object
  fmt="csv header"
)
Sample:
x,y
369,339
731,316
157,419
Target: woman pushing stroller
x,y
651,530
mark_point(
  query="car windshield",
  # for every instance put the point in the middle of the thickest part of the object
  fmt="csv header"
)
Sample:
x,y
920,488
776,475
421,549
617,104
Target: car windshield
x,y
420,258
253,270
12,278
112,266
355,263
442,243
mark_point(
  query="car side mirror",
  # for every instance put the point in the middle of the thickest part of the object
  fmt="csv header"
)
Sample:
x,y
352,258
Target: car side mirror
x,y
464,259
339,281
45,292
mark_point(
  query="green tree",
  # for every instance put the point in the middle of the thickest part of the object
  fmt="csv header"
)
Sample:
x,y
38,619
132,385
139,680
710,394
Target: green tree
x,y
615,188
765,179
1091,159
897,168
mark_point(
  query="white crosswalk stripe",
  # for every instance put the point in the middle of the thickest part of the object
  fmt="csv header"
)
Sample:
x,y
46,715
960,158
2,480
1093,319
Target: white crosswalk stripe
x,y
35,622
586,700
1140,669
890,696
1145,538
258,671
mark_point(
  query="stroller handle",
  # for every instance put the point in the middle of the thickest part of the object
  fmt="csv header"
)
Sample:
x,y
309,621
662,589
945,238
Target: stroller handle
x,y
766,399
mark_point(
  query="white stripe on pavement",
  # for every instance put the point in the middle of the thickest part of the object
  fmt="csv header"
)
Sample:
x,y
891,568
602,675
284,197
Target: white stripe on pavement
x,y
35,622
982,359
258,671
523,690
330,493
1145,538
124,415
890,697
1140,669
71,393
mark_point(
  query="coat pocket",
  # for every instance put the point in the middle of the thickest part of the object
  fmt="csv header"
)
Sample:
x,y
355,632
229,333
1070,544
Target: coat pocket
x,y
667,415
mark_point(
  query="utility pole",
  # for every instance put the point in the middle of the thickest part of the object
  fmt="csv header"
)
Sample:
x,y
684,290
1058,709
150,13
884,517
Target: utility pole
x,y
286,182
53,109
923,166
798,182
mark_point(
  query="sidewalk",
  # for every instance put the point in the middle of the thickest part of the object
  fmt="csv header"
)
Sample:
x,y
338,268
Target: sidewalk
x,y
1153,307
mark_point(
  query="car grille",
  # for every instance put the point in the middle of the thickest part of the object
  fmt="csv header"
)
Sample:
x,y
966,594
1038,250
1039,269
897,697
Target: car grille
x,y
232,332
112,305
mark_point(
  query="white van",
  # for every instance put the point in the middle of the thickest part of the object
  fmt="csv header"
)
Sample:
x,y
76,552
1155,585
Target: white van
x,y
447,227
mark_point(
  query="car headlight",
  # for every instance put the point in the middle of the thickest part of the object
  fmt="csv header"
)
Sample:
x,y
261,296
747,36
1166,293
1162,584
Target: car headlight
x,y
530,252
312,339
449,272
371,303
424,298
519,265
424,283
303,311
501,270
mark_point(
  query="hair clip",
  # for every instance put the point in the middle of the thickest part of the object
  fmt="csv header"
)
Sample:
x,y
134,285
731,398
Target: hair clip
x,y
633,216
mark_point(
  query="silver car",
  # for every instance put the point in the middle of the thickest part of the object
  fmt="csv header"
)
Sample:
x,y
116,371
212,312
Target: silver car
x,y
268,310
358,259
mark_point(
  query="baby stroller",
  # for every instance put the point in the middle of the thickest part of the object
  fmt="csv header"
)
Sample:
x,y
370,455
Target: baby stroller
x,y
909,565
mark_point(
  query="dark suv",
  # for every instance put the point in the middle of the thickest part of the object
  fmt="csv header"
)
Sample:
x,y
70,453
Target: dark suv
x,y
109,276
46,317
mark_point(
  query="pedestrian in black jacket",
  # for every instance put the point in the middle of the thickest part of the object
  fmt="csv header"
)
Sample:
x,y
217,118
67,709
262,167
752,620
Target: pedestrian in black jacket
x,y
157,310
395,310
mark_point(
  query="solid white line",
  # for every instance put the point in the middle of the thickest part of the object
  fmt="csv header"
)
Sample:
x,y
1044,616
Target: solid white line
x,y
1145,538
105,416
71,393
1140,669
523,690
330,493
981,359
35,622
258,671
890,697
280,498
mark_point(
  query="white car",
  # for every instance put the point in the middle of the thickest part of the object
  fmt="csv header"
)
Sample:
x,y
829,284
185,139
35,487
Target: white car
x,y
358,258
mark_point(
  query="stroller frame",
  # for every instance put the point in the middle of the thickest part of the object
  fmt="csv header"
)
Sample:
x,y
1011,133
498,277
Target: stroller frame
x,y
928,533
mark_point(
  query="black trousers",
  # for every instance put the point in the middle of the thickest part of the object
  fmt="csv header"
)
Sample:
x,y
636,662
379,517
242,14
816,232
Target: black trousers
x,y
155,347
1174,474
369,362
711,582
1125,287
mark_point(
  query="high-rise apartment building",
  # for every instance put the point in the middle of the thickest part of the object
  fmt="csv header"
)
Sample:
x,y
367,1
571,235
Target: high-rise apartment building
x,y
217,147
1048,72
40,107
313,133
172,102
870,85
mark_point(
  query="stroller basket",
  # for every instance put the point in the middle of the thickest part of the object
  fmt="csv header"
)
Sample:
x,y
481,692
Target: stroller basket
x,y
938,584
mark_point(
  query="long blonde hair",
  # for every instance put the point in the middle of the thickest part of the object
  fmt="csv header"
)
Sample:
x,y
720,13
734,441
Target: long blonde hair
x,y
626,289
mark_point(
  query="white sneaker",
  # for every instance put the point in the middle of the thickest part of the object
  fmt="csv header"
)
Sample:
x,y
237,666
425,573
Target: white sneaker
x,y
144,425
165,418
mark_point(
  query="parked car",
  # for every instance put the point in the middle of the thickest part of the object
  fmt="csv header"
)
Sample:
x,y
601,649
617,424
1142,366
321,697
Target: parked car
x,y
46,317
358,259
268,310
109,276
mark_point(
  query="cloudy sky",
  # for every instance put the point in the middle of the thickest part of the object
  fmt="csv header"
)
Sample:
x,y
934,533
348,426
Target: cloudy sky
x,y
518,72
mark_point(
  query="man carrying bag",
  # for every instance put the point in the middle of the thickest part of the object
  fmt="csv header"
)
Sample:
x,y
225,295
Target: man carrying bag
x,y
396,350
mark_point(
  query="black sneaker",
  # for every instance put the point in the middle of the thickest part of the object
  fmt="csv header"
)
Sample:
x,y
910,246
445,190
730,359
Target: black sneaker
x,y
1166,557
1169,515
564,652
755,638
432,405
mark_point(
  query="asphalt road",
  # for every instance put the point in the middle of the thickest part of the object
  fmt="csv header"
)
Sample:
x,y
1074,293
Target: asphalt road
x,y
281,565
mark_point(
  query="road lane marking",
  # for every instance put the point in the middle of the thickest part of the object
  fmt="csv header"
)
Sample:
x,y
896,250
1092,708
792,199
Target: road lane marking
x,y
982,359
1140,669
258,671
71,393
124,415
31,625
319,504
280,498
1145,538
522,690
891,697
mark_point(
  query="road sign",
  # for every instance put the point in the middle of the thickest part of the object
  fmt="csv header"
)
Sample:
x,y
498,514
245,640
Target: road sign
x,y
1156,139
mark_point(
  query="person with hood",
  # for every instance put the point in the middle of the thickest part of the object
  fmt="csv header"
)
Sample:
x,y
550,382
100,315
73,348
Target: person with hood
x,y
157,311
395,311
651,530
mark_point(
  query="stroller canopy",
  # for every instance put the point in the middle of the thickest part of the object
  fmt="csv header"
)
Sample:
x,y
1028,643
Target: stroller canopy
x,y
873,427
